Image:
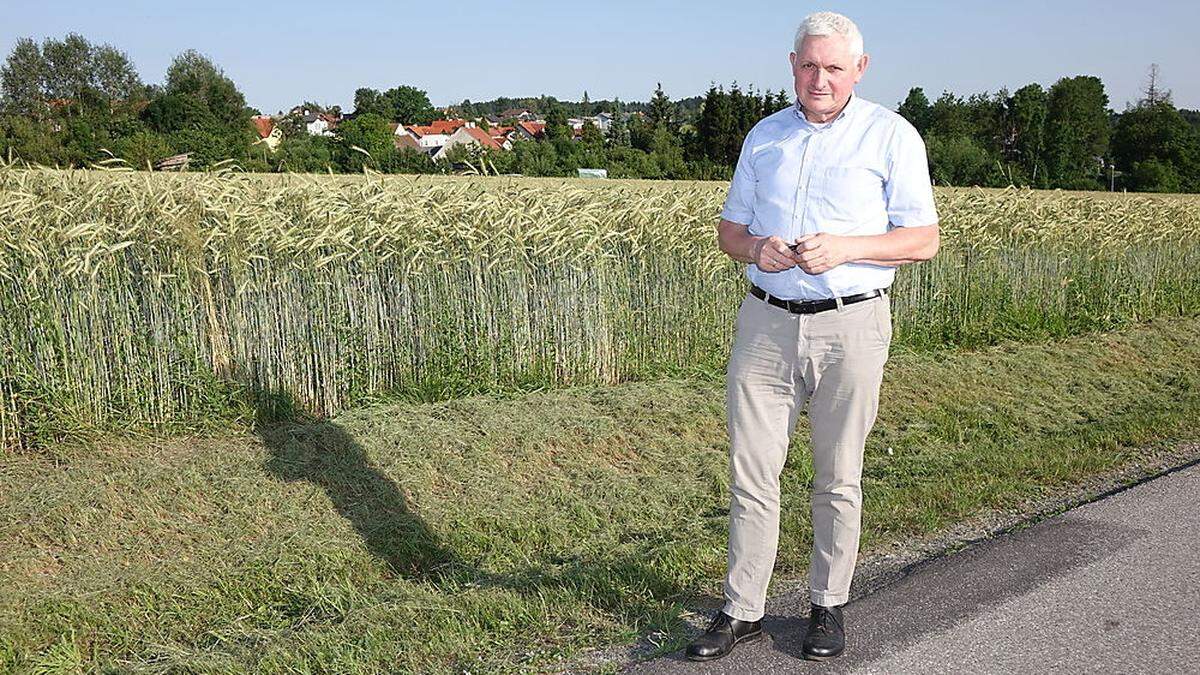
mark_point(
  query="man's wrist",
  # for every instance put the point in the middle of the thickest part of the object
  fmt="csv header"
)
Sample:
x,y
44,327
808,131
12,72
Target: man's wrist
x,y
755,243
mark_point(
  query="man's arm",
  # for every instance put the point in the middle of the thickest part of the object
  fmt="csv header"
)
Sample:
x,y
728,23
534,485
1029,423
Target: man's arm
x,y
822,252
771,254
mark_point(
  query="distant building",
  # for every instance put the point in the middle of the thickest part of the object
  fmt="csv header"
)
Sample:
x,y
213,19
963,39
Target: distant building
x,y
269,133
519,114
318,123
435,134
530,130
468,136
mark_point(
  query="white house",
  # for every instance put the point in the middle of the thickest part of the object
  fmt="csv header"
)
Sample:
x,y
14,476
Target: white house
x,y
469,136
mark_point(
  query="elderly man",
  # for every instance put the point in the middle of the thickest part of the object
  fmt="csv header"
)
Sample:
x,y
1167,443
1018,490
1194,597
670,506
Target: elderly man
x,y
829,196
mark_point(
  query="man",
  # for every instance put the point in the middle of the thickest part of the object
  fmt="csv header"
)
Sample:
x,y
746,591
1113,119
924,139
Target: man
x,y
829,196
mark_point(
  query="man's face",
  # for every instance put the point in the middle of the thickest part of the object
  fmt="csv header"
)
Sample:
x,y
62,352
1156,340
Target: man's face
x,y
825,73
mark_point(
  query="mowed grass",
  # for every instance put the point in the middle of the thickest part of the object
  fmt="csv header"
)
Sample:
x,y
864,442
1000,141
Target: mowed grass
x,y
494,533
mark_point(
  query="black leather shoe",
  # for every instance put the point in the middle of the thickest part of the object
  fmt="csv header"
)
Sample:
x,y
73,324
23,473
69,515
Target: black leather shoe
x,y
723,633
826,637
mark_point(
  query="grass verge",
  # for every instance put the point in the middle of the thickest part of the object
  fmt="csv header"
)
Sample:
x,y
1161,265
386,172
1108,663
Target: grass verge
x,y
506,533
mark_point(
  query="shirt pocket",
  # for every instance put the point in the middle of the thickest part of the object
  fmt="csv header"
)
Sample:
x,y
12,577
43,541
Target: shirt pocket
x,y
852,194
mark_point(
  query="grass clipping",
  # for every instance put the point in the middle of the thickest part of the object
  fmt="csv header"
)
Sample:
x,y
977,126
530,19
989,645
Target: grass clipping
x,y
491,534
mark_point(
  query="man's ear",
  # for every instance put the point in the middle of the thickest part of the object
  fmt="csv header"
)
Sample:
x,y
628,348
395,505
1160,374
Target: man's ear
x,y
862,65
792,59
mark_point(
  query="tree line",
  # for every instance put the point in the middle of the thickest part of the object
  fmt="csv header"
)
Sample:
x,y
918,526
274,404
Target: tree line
x,y
70,102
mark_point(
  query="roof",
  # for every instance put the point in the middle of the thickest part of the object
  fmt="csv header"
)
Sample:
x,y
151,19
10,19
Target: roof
x,y
263,125
446,127
532,128
406,141
483,138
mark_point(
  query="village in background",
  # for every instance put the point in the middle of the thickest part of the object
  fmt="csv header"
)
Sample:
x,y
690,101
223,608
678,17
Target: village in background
x,y
70,102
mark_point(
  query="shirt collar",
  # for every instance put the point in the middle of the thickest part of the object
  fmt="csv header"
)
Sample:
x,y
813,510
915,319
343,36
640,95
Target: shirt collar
x,y
849,108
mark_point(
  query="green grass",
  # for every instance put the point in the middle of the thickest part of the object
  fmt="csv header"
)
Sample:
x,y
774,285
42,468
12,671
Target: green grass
x,y
499,533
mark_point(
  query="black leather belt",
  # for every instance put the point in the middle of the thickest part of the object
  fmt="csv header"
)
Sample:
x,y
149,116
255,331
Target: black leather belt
x,y
813,306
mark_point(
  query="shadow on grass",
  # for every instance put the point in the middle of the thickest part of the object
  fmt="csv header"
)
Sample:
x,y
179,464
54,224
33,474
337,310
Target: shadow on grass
x,y
323,453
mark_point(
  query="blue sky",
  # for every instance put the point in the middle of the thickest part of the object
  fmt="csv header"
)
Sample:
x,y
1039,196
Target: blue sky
x,y
282,53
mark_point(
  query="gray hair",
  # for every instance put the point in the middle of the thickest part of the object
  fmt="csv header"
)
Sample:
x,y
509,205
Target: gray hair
x,y
829,23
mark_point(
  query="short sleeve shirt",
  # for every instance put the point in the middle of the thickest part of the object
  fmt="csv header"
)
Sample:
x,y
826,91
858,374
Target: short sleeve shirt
x,y
863,173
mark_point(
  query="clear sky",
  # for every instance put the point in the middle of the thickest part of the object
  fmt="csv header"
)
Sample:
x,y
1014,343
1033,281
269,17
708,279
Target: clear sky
x,y
281,53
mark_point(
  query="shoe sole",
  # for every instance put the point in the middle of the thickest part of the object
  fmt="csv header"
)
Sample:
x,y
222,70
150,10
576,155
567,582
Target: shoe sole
x,y
745,638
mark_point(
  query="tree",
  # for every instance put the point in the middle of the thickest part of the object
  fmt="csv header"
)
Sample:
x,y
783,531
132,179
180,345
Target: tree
x,y
618,130
1153,93
404,104
71,71
1156,148
590,135
715,129
916,109
556,123
1077,131
369,133
662,111
1026,142
194,75
23,79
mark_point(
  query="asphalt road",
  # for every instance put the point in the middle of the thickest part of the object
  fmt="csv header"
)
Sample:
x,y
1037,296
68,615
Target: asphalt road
x,y
1112,586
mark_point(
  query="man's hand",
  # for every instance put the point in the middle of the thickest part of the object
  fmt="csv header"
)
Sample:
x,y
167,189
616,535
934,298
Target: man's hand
x,y
822,251
772,254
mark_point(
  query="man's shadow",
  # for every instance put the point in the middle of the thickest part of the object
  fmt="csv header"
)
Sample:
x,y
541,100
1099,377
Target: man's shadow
x,y
324,454
303,447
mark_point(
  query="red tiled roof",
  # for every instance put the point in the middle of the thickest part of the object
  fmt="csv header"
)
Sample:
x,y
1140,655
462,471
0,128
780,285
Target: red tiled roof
x,y
438,127
263,125
497,132
483,138
532,128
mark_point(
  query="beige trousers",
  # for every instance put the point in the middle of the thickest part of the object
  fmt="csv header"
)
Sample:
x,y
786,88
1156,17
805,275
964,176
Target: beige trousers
x,y
833,362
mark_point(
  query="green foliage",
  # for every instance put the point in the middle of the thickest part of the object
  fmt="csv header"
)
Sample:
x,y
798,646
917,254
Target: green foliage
x,y
1157,149
1077,131
370,133
404,104
956,160
662,112
142,149
916,109
305,153
193,75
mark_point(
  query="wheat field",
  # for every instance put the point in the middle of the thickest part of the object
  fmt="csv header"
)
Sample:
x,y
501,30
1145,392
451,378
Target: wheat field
x,y
161,301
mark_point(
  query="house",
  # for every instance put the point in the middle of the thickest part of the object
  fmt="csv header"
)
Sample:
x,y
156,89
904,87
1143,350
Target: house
x,y
519,114
530,130
435,134
269,133
503,135
468,136
403,141
320,124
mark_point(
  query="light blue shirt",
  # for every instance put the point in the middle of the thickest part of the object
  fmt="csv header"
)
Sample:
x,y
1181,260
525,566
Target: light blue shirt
x,y
860,174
